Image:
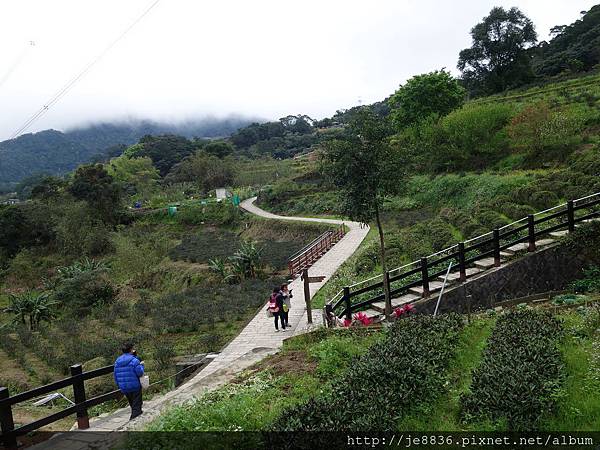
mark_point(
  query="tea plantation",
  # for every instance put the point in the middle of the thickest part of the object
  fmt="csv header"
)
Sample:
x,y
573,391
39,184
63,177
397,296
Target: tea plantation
x,y
521,369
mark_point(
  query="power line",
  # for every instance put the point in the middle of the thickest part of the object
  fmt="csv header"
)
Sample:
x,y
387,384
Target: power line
x,y
69,85
16,63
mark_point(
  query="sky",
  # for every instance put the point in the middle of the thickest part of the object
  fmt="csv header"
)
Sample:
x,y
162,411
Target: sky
x,y
188,59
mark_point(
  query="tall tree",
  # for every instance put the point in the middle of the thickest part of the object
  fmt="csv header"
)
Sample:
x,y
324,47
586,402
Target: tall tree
x,y
206,170
498,58
436,92
136,175
366,169
165,150
93,184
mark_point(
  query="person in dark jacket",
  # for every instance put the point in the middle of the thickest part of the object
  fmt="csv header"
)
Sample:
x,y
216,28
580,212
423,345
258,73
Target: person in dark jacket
x,y
276,307
128,370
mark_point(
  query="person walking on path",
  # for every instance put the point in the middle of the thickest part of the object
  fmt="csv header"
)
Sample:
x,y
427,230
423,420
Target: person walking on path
x,y
276,308
287,304
128,370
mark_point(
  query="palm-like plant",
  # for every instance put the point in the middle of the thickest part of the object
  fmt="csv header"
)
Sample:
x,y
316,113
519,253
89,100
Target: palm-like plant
x,y
247,260
218,266
18,306
36,307
85,265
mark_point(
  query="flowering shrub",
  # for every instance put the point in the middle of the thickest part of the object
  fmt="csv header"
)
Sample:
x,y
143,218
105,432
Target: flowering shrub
x,y
358,318
403,310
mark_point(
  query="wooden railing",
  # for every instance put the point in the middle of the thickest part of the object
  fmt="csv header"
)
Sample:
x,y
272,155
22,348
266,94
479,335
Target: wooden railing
x,y
307,256
80,408
526,231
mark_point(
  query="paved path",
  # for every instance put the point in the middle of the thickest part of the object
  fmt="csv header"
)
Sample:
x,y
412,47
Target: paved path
x,y
257,340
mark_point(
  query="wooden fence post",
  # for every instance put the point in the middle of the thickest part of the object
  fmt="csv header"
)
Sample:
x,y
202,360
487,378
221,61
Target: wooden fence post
x,y
461,262
571,215
307,296
531,232
496,247
7,423
83,422
425,277
388,285
347,303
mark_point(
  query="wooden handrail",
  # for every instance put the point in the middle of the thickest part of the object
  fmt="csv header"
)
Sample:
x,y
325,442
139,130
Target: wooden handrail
x,y
309,254
486,245
9,433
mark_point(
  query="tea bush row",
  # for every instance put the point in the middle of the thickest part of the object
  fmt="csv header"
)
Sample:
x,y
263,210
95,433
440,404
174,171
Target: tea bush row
x,y
405,369
520,371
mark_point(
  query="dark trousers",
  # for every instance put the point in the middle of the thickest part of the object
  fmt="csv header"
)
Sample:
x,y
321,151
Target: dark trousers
x,y
135,401
278,316
284,318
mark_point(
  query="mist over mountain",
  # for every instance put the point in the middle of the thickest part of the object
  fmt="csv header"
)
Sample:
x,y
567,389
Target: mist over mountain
x,y
58,152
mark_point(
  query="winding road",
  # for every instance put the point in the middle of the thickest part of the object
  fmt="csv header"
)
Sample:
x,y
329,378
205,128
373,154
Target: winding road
x,y
257,340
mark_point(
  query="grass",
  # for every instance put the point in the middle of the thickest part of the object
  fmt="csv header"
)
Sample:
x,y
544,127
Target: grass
x,y
259,395
443,415
578,406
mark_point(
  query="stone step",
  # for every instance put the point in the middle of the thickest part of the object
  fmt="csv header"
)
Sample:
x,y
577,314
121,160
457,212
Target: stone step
x,y
455,276
517,248
433,287
372,313
544,242
558,234
485,263
399,301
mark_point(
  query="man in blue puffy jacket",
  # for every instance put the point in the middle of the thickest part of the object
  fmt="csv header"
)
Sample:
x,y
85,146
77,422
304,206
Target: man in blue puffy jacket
x,y
128,370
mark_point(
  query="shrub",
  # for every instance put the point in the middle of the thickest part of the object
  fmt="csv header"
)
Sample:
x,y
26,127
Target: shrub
x,y
79,234
539,200
490,219
586,162
520,371
545,134
407,368
163,353
473,137
84,291
590,281
515,211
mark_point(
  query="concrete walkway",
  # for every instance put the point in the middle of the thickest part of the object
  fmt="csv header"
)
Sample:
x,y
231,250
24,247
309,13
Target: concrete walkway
x,y
257,340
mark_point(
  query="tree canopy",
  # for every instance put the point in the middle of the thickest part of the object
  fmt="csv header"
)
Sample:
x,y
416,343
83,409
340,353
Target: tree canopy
x,y
436,92
96,187
206,170
165,150
365,169
574,47
498,58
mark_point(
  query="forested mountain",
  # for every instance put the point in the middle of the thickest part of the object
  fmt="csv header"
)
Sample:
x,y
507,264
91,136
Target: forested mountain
x,y
573,48
55,152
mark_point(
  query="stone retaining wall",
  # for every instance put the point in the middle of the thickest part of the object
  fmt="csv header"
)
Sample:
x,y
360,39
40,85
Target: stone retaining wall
x,y
549,269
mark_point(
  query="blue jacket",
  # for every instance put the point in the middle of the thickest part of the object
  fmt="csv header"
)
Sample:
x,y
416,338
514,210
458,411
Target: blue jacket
x,y
128,371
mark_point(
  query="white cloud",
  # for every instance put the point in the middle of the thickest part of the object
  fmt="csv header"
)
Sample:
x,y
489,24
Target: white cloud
x,y
263,58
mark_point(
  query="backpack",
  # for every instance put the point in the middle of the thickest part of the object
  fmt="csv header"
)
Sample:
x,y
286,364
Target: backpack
x,y
273,304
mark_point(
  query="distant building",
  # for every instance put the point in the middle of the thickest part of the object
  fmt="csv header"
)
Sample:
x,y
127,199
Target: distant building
x,y
11,201
222,194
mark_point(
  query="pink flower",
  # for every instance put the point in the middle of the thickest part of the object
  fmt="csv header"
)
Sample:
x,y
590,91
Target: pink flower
x,y
347,323
406,309
399,311
363,318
